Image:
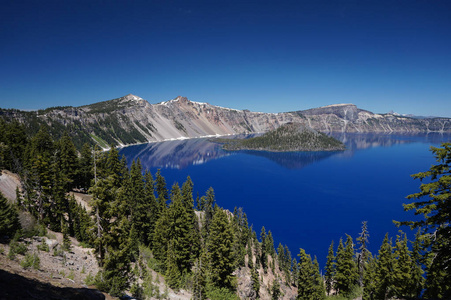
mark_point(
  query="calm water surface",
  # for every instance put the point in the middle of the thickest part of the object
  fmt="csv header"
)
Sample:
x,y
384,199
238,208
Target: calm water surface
x,y
306,199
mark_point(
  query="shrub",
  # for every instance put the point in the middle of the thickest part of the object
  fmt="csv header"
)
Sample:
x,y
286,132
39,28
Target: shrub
x,y
215,293
43,247
30,260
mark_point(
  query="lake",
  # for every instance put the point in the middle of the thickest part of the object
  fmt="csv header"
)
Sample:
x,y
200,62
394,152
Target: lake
x,y
306,199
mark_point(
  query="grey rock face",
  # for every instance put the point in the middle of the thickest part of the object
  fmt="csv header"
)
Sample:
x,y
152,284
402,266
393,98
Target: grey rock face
x,y
130,120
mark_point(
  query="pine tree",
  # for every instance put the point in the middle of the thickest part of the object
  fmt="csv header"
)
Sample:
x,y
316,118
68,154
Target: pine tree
x,y
330,269
9,221
39,156
362,240
306,285
402,269
275,290
139,207
255,282
68,160
199,292
65,231
173,277
180,230
385,270
346,274
281,256
85,175
433,203
264,254
417,270
102,196
208,209
152,204
320,290
162,192
219,245
369,279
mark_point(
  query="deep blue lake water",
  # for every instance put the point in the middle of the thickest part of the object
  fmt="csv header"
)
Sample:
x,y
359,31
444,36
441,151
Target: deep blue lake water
x,y
306,199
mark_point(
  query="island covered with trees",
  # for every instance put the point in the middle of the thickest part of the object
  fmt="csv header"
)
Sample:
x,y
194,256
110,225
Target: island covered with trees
x,y
286,138
138,227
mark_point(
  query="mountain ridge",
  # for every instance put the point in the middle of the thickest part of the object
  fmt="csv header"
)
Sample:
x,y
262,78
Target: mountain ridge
x,y
131,120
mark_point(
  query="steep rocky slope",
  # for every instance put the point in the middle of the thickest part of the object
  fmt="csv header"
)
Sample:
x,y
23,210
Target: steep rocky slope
x,y
349,118
131,119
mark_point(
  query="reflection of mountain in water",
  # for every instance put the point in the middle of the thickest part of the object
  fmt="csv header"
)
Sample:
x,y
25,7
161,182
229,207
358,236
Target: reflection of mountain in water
x,y
356,141
293,160
184,153
173,154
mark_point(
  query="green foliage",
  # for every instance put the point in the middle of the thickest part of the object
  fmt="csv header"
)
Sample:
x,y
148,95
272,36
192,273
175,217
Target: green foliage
x,y
255,282
433,203
43,247
310,282
90,279
288,137
363,253
330,269
346,274
30,261
219,245
275,290
16,247
385,270
220,293
9,221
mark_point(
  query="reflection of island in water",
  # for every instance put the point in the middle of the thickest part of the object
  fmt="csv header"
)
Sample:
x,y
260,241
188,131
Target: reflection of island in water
x,y
173,154
184,153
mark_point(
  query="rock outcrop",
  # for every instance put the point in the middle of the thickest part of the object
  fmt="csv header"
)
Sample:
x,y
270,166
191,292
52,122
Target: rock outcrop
x,y
131,119
349,118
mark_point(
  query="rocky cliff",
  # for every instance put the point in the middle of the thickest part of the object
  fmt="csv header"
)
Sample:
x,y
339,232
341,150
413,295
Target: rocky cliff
x,y
131,119
349,118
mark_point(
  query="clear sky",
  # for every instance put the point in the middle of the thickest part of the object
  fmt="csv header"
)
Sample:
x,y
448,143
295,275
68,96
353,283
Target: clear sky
x,y
269,56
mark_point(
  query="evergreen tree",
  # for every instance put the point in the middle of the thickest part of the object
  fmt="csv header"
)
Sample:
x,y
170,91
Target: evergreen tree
x,y
161,239
362,240
39,156
320,291
417,270
140,208
275,290
219,245
433,203
402,277
65,231
68,161
199,292
385,271
85,175
255,282
306,285
103,192
369,279
208,206
173,277
346,274
180,230
330,269
264,254
281,256
162,192
9,221
269,244
152,204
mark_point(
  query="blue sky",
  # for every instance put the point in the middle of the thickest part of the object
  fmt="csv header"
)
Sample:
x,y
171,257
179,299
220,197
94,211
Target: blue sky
x,y
268,56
